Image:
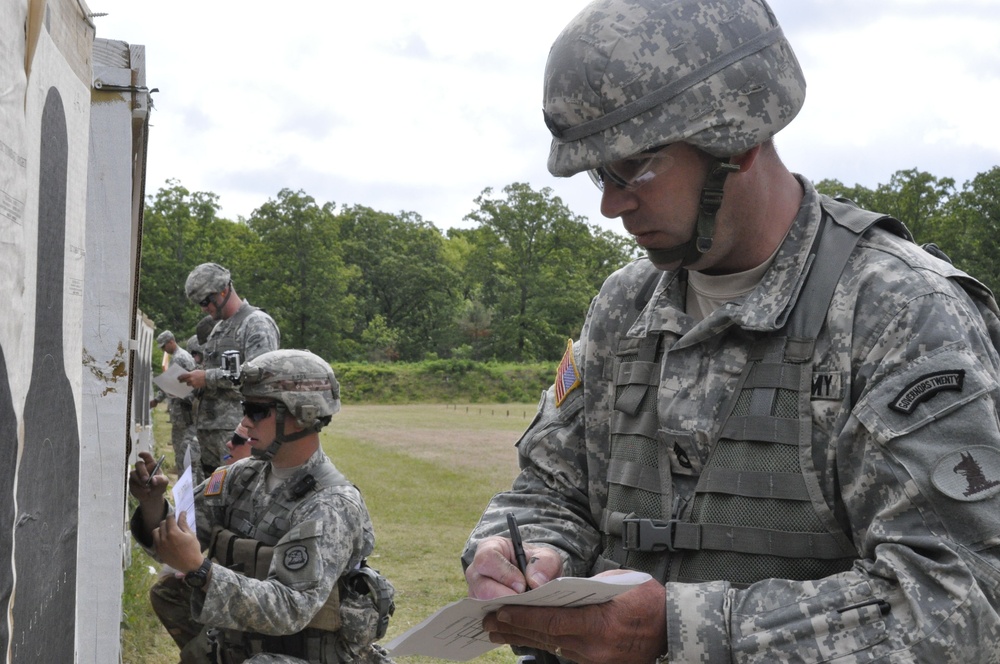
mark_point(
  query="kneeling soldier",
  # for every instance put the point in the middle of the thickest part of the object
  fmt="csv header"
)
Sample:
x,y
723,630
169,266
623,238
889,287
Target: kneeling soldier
x,y
285,579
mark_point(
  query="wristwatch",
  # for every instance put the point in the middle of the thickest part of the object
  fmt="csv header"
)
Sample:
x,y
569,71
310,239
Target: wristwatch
x,y
197,578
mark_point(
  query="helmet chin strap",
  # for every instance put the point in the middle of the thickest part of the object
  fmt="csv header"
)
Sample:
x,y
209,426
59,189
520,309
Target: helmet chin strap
x,y
219,306
701,238
279,435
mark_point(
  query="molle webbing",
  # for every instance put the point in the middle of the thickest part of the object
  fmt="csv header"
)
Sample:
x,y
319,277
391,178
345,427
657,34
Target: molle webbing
x,y
639,467
272,525
253,559
216,345
244,555
754,516
758,512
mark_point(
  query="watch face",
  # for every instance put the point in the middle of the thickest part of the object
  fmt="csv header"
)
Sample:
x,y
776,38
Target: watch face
x,y
197,578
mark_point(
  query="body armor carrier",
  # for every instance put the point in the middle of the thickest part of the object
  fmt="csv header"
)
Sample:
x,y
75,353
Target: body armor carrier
x,y
248,550
214,347
757,510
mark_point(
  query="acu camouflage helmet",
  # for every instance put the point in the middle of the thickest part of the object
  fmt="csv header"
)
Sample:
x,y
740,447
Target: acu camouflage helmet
x,y
300,380
628,75
204,280
164,337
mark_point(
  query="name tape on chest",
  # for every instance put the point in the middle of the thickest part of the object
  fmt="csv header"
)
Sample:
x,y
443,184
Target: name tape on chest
x,y
827,386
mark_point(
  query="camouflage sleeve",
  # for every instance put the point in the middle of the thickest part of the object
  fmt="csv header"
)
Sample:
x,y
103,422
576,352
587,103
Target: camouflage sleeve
x,y
549,497
332,534
917,475
260,335
185,361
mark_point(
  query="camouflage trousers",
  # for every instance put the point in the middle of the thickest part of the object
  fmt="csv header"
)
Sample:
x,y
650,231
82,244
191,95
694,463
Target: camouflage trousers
x,y
171,600
376,655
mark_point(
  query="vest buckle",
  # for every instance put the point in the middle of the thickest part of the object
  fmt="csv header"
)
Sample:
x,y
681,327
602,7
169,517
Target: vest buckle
x,y
648,534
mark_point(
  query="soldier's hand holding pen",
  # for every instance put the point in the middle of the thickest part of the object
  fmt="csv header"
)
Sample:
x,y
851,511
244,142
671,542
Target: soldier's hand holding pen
x,y
494,571
149,485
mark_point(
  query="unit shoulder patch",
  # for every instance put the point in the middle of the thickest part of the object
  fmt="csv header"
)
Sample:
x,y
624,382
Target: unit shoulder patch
x,y
296,557
968,475
926,387
567,375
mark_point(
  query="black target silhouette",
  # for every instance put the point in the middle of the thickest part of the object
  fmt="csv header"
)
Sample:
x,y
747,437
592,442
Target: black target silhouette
x,y
45,535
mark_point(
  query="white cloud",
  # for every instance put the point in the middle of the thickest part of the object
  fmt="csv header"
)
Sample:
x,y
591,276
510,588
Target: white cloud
x,y
420,106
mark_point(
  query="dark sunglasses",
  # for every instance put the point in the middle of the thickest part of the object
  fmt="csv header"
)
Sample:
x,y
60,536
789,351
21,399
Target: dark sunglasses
x,y
207,301
256,411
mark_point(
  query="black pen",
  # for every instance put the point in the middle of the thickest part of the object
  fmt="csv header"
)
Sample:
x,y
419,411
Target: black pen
x,y
515,538
149,480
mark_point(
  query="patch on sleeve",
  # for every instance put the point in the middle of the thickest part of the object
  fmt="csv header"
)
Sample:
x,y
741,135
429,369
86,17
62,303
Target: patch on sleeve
x,y
296,557
968,475
567,376
216,482
925,388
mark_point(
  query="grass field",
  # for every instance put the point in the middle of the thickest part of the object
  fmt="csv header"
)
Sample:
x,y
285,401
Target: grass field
x,y
426,472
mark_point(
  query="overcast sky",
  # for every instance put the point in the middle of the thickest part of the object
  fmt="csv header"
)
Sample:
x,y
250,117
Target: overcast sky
x,y
419,106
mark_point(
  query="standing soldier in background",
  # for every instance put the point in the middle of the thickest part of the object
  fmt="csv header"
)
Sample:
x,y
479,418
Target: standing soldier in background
x,y
239,327
182,429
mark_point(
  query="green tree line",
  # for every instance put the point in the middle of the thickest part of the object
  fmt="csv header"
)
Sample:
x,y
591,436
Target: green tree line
x,y
357,284
352,283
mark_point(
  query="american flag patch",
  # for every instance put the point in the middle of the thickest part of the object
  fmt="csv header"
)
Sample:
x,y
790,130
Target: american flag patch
x,y
215,482
567,376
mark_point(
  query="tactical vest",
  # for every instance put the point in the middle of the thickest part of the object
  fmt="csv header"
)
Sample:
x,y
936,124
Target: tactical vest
x,y
758,511
252,558
247,547
214,347
274,523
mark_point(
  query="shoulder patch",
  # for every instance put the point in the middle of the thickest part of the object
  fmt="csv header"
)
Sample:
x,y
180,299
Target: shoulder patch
x,y
926,387
567,376
295,558
968,475
216,482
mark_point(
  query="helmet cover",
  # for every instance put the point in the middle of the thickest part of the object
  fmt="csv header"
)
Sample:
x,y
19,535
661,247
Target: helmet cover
x,y
204,280
301,380
628,75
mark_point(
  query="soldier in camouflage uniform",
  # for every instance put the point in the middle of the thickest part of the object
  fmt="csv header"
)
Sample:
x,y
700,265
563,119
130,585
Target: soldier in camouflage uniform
x,y
287,535
786,414
194,347
182,429
240,327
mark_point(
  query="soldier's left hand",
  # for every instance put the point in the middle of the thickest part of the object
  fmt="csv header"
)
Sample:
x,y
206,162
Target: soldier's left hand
x,y
630,629
177,545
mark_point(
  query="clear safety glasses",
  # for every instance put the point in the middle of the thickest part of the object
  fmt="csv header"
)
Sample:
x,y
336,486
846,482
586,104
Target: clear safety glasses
x,y
633,172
